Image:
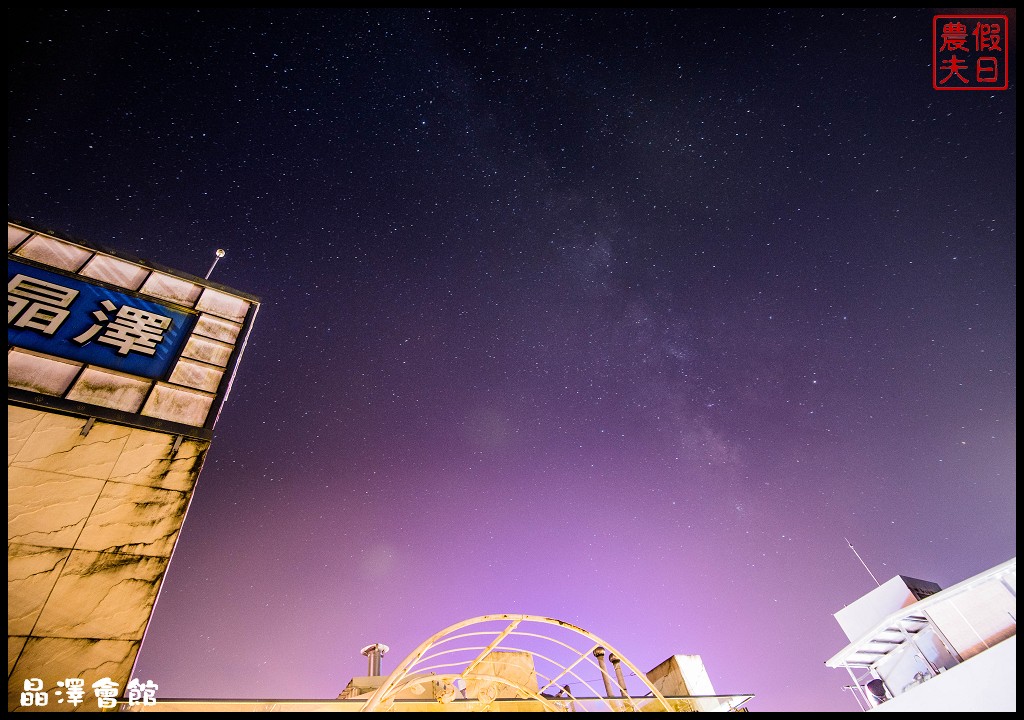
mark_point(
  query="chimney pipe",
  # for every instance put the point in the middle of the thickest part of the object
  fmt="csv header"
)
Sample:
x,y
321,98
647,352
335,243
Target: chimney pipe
x,y
614,659
599,654
373,655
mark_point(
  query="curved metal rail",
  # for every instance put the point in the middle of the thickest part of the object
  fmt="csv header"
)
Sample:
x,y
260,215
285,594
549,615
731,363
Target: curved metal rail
x,y
563,661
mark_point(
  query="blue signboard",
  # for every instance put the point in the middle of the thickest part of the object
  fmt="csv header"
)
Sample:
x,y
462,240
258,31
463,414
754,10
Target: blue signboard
x,y
64,316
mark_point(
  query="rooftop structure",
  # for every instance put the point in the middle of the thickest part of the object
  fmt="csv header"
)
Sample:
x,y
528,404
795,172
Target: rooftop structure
x,y
917,648
508,663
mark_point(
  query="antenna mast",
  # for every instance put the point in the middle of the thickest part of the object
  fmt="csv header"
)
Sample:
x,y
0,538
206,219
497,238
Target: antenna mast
x,y
863,563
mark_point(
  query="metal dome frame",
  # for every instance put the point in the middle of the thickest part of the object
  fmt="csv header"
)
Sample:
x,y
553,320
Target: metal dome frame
x,y
417,669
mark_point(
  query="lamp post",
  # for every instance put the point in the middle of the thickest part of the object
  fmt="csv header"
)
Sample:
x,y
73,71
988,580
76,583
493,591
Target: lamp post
x,y
220,254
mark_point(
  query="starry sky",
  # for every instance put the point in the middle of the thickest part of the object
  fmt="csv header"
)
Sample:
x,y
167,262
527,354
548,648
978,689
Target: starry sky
x,y
623,317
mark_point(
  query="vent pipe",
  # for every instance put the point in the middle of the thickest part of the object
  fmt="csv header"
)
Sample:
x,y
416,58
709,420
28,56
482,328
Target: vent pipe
x,y
614,660
599,653
373,655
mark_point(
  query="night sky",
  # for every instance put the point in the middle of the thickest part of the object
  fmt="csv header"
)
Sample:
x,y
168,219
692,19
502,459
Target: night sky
x,y
623,317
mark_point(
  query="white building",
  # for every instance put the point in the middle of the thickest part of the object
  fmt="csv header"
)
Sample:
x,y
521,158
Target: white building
x,y
917,648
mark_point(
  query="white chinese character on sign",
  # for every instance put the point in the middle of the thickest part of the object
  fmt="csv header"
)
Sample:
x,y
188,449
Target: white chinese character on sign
x,y
146,692
74,690
131,329
34,694
106,692
37,304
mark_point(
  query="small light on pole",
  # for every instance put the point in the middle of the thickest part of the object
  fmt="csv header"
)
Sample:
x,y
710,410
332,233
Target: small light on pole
x,y
220,254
